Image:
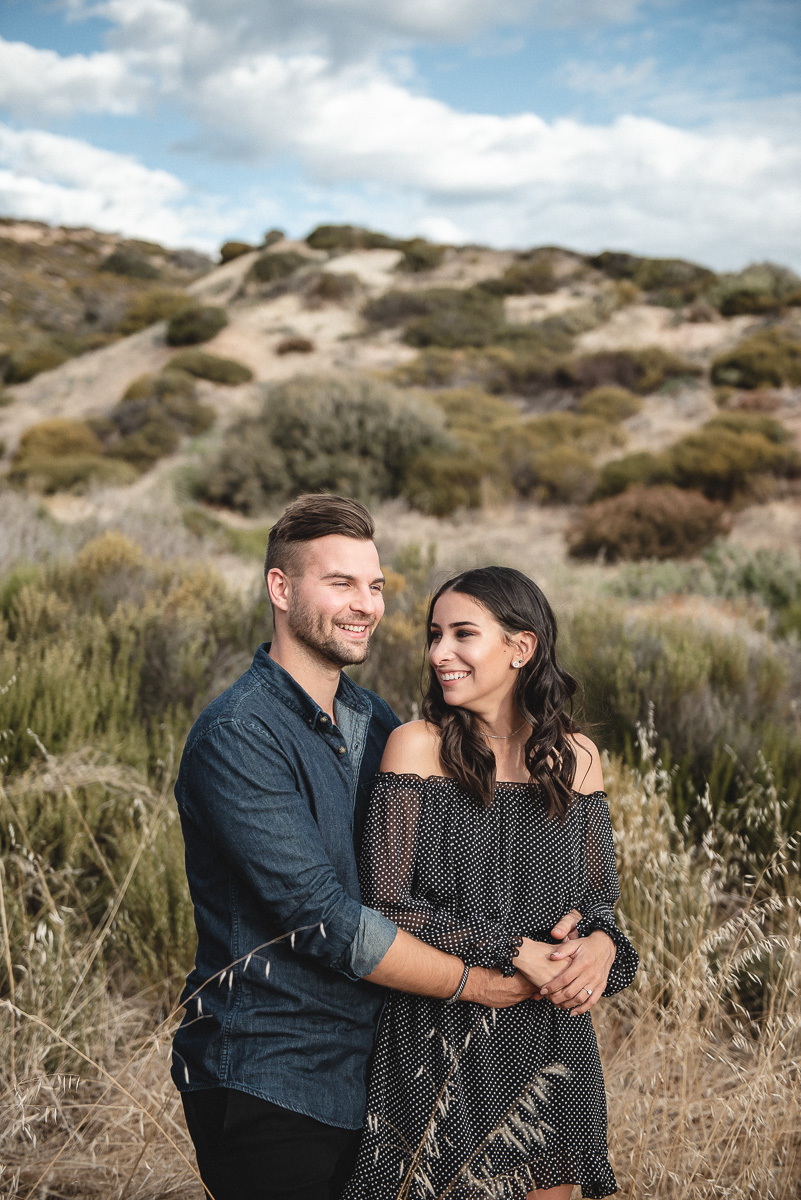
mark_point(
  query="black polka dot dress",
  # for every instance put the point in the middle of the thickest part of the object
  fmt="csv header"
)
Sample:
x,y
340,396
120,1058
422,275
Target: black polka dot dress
x,y
464,1101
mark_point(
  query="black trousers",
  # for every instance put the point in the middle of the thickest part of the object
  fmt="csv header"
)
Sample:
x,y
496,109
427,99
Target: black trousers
x,y
249,1149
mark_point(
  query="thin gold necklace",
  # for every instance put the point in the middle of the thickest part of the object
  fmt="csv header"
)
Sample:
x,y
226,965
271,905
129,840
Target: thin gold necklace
x,y
505,737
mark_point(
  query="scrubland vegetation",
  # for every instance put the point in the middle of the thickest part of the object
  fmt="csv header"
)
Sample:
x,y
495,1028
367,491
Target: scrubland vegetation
x,y
114,632
106,653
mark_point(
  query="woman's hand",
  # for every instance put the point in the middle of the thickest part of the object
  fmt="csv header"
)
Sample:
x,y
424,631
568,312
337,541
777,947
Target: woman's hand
x,y
579,985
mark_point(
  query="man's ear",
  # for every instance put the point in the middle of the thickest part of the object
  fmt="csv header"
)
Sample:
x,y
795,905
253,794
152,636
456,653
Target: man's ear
x,y
279,588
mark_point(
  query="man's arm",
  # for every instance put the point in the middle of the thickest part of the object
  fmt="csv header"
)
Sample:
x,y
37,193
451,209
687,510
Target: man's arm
x,y
410,965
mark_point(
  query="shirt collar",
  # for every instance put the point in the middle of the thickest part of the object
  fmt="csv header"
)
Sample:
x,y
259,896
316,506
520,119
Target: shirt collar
x,y
286,689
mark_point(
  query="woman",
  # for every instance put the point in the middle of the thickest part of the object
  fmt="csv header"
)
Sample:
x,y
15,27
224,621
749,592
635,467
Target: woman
x,y
487,824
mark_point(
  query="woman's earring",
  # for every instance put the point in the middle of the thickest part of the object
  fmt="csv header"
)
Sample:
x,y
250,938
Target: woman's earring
x,y
518,662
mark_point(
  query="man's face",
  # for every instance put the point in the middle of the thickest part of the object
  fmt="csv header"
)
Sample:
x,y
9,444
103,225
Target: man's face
x,y
336,602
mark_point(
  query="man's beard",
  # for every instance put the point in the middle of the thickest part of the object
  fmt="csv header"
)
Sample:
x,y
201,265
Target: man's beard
x,y
309,627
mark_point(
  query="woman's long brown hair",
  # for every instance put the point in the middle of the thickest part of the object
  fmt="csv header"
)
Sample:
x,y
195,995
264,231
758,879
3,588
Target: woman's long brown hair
x,y
543,695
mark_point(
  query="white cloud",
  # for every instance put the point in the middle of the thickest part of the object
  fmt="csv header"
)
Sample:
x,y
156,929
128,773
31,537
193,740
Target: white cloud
x,y
41,82
271,83
67,181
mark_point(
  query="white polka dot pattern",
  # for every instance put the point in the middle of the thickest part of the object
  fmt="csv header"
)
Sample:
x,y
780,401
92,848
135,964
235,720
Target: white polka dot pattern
x,y
465,1101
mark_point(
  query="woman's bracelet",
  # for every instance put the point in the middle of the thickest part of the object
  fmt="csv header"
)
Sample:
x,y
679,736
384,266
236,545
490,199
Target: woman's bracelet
x,y
457,994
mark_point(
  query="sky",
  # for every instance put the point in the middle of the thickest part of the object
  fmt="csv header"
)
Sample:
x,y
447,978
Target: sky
x,y
662,127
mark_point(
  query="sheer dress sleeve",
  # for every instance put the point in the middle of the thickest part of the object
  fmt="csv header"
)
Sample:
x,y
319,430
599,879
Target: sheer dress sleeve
x,y
602,891
389,884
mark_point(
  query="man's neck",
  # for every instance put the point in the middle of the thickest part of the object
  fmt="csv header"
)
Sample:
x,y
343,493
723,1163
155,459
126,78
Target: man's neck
x,y
315,674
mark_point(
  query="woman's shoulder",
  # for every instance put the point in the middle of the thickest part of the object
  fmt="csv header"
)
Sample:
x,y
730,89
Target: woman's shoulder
x,y
589,772
413,749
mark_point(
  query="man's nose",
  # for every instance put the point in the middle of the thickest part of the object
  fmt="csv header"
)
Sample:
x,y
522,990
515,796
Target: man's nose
x,y
366,601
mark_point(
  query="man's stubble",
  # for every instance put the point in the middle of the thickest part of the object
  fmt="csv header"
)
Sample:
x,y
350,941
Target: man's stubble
x,y
317,633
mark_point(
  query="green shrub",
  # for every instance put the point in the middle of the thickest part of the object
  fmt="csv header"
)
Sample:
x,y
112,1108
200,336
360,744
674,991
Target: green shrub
x,y
347,434
33,360
724,459
157,305
153,415
396,307
63,455
197,324
723,703
725,465
457,318
152,440
279,264
348,237
441,482
231,250
762,288
771,358
562,474
612,404
420,255
55,438
669,281
752,422
532,274
212,367
656,522
127,261
641,371
272,236
70,473
332,288
642,467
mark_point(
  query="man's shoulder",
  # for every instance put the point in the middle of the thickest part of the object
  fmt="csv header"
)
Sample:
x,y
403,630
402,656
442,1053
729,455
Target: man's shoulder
x,y
240,701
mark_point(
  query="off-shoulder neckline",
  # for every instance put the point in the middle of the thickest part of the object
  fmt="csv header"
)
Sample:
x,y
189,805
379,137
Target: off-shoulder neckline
x,y
505,783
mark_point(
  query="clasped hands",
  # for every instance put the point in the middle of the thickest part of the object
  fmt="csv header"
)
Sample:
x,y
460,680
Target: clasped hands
x,y
564,974
572,976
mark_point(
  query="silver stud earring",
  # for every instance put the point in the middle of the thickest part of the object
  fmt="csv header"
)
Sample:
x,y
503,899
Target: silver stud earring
x,y
518,662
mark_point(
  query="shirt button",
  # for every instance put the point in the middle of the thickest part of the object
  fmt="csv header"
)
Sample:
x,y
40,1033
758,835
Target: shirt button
x,y
323,720
340,749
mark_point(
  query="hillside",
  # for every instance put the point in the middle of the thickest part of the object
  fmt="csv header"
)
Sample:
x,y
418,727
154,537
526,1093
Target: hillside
x,y
626,430
512,356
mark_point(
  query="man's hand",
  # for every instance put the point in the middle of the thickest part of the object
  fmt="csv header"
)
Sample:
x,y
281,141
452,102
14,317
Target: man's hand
x,y
580,984
492,990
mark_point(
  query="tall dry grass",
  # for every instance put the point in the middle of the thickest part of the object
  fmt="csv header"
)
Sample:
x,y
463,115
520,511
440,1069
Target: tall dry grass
x,y
702,1055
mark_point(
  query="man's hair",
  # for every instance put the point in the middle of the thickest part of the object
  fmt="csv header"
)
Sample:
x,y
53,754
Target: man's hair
x,y
310,517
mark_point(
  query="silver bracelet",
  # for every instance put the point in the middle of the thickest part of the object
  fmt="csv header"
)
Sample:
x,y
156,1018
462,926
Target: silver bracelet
x,y
456,995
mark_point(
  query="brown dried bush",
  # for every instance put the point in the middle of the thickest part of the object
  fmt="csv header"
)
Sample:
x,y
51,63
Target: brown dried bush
x,y
231,250
656,522
640,371
295,345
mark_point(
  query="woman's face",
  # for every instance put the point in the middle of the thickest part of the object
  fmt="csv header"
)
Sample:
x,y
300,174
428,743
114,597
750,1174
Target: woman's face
x,y
470,653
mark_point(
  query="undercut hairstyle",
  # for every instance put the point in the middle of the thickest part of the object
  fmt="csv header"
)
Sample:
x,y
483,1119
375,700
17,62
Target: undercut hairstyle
x,y
311,517
543,695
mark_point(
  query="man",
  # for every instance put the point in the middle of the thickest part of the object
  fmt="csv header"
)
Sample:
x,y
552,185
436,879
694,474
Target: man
x,y
281,1006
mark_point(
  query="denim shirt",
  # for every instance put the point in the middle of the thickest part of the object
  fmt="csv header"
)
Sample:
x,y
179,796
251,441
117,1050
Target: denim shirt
x,y
272,796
